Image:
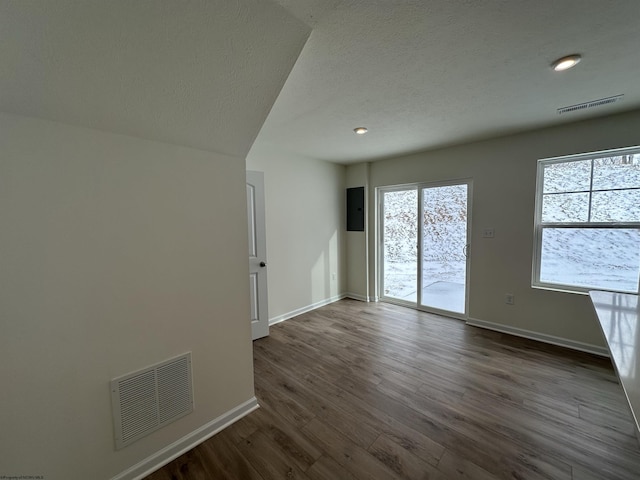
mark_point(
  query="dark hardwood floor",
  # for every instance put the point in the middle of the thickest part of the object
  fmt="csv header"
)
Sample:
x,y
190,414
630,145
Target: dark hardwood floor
x,y
375,391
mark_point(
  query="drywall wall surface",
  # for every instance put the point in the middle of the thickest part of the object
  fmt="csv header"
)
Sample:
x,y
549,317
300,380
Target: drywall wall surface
x,y
305,205
504,176
203,74
356,242
116,253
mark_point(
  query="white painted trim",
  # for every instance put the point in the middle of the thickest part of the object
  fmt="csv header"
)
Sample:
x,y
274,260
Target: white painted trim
x,y
308,308
541,337
357,296
186,443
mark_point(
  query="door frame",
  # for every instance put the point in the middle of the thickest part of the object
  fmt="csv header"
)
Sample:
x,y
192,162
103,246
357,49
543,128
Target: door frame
x,y
419,186
380,191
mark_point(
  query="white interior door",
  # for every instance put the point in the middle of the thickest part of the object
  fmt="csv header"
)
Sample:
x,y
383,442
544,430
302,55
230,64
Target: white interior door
x,y
259,313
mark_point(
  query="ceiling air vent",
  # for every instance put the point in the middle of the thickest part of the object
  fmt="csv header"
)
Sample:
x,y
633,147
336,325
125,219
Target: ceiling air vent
x,y
148,399
591,104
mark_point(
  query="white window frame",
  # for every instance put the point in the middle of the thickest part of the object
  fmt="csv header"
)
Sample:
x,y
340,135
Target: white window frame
x,y
539,226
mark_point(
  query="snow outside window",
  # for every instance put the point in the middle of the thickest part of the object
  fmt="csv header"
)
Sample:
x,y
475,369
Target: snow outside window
x,y
587,225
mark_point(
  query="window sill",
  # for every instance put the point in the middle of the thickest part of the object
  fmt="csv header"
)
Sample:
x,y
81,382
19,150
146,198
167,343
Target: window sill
x,y
560,289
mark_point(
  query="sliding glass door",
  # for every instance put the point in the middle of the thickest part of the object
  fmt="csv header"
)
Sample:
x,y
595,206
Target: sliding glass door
x,y
424,237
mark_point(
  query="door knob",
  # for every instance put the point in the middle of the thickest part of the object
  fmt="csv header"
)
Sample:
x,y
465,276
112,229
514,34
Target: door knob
x,y
262,264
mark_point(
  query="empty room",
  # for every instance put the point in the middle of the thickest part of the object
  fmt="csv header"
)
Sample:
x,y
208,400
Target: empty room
x,y
440,201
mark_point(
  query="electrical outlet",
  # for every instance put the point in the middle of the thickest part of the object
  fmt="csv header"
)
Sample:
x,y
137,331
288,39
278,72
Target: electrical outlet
x,y
509,298
333,276
488,233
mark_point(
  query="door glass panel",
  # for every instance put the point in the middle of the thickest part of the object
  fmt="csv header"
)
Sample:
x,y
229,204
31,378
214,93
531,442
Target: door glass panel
x,y
400,245
444,245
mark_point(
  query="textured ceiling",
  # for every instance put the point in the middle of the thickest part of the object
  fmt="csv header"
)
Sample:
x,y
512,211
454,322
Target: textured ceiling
x,y
425,74
309,11
199,73
419,74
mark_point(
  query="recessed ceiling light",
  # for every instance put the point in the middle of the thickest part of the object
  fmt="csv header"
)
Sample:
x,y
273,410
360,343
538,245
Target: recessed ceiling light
x,y
566,63
360,130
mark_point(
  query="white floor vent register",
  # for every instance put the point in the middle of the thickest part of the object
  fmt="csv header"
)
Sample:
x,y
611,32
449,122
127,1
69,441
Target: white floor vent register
x,y
148,399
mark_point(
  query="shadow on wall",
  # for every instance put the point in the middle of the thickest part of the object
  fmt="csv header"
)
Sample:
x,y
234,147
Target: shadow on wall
x,y
325,280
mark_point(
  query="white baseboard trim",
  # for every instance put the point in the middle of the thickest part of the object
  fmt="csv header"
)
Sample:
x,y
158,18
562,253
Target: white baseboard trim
x,y
357,296
541,337
362,298
186,443
308,308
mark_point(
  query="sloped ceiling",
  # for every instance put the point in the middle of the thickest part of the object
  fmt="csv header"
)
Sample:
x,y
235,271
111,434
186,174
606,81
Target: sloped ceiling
x,y
420,74
200,73
426,74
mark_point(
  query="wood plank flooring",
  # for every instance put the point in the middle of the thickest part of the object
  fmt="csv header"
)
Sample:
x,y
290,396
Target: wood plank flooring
x,y
375,391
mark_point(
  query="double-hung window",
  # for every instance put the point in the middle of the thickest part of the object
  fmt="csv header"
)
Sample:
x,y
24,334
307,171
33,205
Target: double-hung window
x,y
587,222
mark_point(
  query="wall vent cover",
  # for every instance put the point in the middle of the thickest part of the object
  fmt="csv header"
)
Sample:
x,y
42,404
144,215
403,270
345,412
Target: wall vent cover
x,y
148,399
591,104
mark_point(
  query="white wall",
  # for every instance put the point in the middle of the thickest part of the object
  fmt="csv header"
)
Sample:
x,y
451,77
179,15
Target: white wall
x,y
305,204
116,253
504,176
